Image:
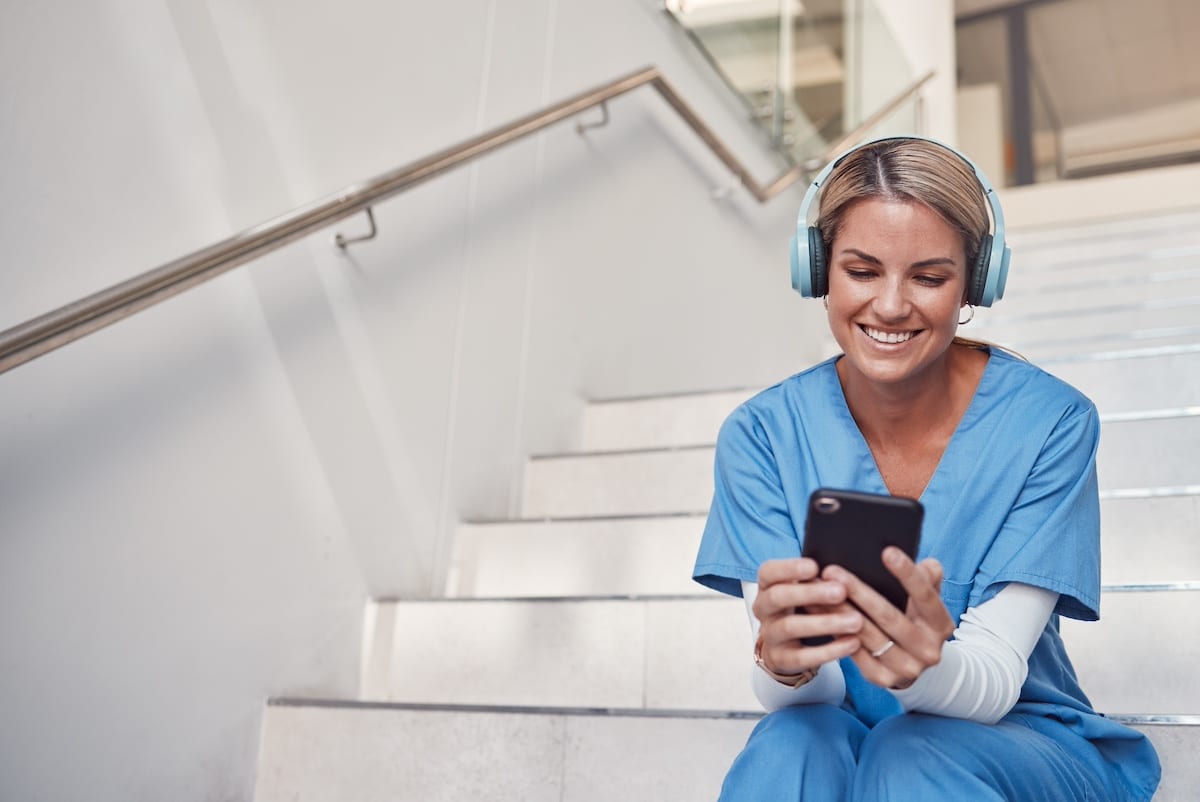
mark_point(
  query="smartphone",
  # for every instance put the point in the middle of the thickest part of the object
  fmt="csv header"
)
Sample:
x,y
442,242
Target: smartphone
x,y
852,529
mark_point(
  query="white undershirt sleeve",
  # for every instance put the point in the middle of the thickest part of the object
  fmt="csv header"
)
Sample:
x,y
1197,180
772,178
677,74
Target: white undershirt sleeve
x,y
828,687
980,674
985,664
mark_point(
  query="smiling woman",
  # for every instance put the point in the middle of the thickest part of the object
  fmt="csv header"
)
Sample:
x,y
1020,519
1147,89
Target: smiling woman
x,y
968,692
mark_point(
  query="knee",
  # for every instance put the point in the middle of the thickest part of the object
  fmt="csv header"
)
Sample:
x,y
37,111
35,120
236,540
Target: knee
x,y
907,758
795,750
799,724
902,741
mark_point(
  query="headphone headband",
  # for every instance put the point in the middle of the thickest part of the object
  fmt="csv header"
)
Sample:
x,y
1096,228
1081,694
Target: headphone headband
x,y
807,252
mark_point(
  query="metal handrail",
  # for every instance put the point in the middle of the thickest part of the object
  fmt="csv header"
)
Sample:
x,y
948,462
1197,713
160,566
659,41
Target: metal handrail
x,y
50,331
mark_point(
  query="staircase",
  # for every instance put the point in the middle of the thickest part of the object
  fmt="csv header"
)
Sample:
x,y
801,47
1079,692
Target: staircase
x,y
573,659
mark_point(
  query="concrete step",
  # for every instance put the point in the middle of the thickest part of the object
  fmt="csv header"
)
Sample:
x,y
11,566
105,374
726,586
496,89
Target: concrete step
x,y
1117,385
660,422
624,483
1137,453
333,752
1107,239
1144,540
1083,289
1133,379
1098,326
1140,656
630,653
1150,453
644,653
337,752
1150,539
602,557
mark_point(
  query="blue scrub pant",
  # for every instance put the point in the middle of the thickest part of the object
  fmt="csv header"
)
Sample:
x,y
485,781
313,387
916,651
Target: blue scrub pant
x,y
820,753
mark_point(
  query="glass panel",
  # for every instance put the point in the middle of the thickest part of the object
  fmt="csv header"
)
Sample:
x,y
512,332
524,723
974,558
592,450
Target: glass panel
x,y
809,71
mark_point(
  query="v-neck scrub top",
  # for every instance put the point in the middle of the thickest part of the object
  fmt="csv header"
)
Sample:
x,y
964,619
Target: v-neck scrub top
x,y
1013,499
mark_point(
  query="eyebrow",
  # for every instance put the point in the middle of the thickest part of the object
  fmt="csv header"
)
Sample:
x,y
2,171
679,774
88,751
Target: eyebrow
x,y
866,257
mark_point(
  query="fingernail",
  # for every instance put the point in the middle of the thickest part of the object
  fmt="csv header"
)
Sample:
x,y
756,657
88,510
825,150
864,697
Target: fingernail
x,y
891,555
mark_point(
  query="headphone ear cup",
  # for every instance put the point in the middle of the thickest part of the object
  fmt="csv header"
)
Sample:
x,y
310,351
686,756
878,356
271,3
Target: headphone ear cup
x,y
977,281
816,257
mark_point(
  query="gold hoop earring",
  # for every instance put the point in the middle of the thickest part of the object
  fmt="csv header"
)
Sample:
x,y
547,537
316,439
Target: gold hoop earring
x,y
970,316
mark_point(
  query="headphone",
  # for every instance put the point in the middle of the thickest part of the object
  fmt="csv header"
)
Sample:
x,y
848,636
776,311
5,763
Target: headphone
x,y
985,279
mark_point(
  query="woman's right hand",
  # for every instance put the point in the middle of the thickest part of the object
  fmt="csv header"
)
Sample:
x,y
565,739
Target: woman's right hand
x,y
784,586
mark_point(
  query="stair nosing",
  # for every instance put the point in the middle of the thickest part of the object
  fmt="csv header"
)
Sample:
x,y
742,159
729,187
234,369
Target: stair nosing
x,y
1169,586
1146,719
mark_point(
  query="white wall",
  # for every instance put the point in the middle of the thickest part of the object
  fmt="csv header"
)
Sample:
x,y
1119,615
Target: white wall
x,y
195,503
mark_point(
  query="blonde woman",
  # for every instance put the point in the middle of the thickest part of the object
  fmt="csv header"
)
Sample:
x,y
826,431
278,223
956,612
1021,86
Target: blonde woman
x,y
968,693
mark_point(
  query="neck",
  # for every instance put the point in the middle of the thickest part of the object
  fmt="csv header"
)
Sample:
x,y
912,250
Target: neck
x,y
915,408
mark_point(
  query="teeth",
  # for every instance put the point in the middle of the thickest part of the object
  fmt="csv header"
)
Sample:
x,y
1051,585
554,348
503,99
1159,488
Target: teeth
x,y
888,337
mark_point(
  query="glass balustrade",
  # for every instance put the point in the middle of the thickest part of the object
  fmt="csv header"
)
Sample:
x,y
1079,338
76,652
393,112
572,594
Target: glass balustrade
x,y
810,71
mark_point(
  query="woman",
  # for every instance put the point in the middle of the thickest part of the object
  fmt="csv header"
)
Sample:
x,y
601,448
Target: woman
x,y
968,694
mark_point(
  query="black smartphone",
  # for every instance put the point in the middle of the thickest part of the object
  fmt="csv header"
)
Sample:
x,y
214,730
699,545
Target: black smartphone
x,y
852,529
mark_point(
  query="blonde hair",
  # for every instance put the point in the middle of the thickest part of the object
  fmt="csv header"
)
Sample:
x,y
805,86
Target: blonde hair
x,y
908,170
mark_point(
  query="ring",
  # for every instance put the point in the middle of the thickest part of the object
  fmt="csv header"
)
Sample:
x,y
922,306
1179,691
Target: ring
x,y
882,650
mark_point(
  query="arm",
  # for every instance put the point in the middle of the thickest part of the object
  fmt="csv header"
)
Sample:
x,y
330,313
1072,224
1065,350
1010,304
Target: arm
x,y
828,687
983,668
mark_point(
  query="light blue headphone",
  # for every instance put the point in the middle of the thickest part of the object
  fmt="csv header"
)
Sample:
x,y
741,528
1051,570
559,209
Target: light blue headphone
x,y
985,279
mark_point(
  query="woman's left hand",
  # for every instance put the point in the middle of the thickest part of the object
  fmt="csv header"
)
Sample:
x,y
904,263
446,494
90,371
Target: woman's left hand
x,y
917,634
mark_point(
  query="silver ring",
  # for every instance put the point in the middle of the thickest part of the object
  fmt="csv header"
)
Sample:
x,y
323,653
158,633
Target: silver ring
x,y
882,650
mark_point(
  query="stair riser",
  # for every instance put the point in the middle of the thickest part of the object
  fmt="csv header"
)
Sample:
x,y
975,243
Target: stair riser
x,y
626,654
1143,540
1122,385
646,653
1015,331
1147,636
388,755
1148,453
659,422
578,558
1083,290
690,420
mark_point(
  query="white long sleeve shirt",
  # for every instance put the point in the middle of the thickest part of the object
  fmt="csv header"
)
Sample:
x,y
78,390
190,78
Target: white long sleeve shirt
x,y
979,677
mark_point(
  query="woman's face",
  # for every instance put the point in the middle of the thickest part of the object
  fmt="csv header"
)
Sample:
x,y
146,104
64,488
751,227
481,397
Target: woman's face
x,y
897,279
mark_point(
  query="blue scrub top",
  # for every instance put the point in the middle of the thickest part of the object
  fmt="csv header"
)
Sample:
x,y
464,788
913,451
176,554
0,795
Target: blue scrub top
x,y
1013,499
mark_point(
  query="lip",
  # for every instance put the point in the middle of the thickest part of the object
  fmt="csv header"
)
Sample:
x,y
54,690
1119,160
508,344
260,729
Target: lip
x,y
913,334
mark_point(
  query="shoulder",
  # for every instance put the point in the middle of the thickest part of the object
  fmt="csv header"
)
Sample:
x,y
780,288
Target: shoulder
x,y
782,400
775,414
1031,386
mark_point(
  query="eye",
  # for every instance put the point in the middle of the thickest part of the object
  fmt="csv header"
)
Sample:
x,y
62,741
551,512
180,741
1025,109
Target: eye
x,y
858,274
931,281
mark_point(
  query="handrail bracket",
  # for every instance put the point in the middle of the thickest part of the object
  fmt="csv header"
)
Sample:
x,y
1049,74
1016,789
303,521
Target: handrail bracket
x,y
581,127
342,241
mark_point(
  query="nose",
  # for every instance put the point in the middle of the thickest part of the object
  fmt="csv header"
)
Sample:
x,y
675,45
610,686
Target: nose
x,y
891,300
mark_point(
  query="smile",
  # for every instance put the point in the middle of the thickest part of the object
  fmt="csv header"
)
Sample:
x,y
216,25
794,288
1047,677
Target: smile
x,y
889,337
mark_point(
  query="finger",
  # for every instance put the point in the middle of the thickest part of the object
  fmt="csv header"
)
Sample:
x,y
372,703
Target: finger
x,y
813,625
791,657
793,569
924,597
784,597
934,569
869,601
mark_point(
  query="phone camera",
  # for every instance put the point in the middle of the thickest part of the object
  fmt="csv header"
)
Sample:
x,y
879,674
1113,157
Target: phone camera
x,y
827,505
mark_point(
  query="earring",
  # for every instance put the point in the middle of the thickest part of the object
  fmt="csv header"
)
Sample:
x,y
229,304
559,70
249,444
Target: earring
x,y
970,316
826,301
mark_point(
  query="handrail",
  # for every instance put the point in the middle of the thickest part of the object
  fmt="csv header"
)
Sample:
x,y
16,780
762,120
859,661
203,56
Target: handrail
x,y
45,333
